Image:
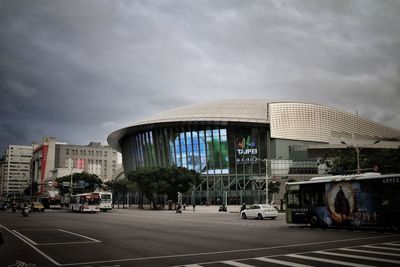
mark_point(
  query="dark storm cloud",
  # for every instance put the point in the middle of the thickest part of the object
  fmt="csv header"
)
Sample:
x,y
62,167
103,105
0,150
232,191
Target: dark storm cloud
x,y
79,70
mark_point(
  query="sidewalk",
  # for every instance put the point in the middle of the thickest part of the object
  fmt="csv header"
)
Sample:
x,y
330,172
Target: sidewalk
x,y
189,208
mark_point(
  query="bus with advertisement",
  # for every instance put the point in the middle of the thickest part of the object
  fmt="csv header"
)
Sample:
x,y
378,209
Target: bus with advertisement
x,y
86,202
105,200
362,200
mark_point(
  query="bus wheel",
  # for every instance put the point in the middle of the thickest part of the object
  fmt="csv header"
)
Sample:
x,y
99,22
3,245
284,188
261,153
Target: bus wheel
x,y
314,221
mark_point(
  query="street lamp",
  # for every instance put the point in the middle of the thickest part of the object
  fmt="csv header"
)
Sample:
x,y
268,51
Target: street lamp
x,y
358,150
72,169
267,162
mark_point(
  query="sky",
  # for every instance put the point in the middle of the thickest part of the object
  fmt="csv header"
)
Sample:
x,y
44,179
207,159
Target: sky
x,y
79,70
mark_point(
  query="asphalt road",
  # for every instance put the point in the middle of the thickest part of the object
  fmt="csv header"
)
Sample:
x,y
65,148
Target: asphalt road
x,y
133,237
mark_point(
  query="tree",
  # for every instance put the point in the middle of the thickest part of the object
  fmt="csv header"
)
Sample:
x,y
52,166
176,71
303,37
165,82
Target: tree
x,y
83,182
119,187
154,181
385,160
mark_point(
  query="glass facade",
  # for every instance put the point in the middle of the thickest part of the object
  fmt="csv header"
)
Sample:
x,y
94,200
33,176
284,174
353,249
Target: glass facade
x,y
226,157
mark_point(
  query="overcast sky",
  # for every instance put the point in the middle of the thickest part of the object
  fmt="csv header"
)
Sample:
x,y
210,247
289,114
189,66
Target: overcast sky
x,y
79,70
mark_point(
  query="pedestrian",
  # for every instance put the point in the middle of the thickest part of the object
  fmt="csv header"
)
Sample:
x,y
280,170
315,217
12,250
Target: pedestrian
x,y
194,207
243,207
184,206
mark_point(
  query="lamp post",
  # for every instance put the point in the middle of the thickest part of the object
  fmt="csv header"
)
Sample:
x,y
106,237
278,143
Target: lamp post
x,y
70,184
266,161
358,150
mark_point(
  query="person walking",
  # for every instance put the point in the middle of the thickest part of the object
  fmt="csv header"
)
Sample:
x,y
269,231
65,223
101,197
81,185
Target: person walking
x,y
194,206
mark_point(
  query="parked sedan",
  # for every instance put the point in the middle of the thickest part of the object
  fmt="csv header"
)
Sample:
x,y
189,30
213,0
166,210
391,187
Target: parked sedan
x,y
259,211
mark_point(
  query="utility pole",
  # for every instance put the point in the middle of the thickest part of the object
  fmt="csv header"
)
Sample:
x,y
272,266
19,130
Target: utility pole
x,y
267,162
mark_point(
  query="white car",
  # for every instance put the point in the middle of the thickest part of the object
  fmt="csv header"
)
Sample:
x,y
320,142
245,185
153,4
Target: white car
x,y
259,211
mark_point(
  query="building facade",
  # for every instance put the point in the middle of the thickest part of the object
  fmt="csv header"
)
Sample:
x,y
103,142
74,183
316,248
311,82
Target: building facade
x,y
15,170
238,145
53,159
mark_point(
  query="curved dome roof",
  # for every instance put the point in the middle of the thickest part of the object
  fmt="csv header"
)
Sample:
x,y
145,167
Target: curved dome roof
x,y
288,120
239,110
234,110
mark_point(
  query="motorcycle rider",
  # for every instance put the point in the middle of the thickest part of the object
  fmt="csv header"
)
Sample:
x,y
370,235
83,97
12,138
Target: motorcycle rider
x,y
25,209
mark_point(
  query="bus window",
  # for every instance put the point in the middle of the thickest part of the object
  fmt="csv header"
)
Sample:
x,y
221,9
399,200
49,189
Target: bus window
x,y
293,199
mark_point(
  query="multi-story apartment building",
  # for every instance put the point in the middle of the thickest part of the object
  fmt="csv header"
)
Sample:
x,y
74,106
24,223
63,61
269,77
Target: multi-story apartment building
x,y
15,170
53,159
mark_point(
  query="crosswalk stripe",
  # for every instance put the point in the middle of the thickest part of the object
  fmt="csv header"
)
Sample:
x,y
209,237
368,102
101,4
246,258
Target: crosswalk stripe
x,y
370,252
392,244
237,264
385,248
328,261
357,257
286,263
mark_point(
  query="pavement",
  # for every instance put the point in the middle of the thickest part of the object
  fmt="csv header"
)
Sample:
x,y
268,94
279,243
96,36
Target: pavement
x,y
189,208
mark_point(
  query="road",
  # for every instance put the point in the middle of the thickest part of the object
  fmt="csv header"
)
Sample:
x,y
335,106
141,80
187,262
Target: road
x,y
130,237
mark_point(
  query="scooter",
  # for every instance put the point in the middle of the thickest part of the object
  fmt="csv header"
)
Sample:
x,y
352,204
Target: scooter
x,y
25,211
179,209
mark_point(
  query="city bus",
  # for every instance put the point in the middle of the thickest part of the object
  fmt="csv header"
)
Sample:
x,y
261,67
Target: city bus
x,y
86,202
362,200
105,200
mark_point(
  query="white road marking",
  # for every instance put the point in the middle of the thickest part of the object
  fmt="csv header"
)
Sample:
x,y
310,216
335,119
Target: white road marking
x,y
392,244
286,263
328,261
370,252
25,237
386,248
66,243
65,231
237,264
32,246
357,257
228,251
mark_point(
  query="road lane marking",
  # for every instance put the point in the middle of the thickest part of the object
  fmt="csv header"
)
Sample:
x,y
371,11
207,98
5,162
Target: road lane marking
x,y
25,237
357,257
386,248
228,251
32,246
237,264
370,252
286,263
392,244
65,231
328,261
66,243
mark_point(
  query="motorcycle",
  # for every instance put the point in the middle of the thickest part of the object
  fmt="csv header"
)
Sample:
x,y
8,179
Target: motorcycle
x,y
25,211
179,209
223,208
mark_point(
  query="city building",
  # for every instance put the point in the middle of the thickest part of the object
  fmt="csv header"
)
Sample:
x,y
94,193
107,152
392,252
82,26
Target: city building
x,y
15,170
237,145
53,159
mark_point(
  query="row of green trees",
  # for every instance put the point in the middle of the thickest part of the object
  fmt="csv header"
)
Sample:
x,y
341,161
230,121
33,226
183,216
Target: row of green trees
x,y
383,160
151,182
